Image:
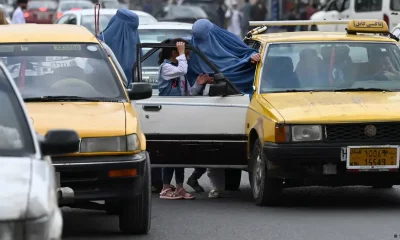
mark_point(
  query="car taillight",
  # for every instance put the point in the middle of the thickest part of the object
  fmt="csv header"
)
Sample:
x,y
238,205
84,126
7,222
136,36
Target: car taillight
x,y
59,14
386,19
26,15
42,9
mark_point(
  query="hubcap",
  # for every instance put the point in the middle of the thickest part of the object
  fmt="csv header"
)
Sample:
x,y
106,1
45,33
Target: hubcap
x,y
258,174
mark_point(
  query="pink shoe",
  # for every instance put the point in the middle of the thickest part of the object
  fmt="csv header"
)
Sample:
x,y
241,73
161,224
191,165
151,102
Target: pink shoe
x,y
185,195
170,195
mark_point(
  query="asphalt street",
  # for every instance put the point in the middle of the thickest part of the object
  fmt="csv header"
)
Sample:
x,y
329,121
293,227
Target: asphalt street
x,y
349,213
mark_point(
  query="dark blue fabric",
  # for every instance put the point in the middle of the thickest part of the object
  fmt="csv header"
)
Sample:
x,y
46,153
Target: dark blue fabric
x,y
122,36
226,51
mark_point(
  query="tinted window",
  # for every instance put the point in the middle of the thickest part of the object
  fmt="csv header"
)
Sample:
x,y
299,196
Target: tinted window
x,y
81,70
65,6
395,5
15,135
329,66
368,5
41,4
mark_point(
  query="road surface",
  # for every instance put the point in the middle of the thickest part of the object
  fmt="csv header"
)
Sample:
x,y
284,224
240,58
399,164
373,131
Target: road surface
x,y
350,213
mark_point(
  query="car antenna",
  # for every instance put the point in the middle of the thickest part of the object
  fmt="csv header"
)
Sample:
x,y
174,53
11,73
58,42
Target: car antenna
x,y
97,19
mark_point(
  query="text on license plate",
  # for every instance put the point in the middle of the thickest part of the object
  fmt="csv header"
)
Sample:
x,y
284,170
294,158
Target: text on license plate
x,y
373,157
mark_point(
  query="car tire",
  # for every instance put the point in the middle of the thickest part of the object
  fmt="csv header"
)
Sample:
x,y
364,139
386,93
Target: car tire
x,y
266,191
135,215
382,186
233,177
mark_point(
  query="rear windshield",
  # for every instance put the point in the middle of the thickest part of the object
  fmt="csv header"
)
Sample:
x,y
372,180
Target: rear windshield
x,y
42,4
65,6
48,70
395,5
15,135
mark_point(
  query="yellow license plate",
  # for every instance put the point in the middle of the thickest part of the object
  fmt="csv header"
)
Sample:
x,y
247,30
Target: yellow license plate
x,y
370,157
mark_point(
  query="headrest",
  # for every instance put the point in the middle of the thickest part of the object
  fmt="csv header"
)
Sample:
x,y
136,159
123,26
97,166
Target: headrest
x,y
308,53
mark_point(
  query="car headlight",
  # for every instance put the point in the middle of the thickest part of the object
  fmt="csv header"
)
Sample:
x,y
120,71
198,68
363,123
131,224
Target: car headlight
x,y
304,133
127,143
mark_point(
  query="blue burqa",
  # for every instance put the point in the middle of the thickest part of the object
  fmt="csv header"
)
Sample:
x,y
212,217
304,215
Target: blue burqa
x,y
121,36
226,51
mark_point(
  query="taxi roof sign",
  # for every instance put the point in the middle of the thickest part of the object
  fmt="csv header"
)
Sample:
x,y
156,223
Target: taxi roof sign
x,y
298,23
367,26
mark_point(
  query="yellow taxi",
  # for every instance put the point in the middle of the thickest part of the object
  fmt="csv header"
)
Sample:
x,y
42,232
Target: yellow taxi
x,y
325,109
68,79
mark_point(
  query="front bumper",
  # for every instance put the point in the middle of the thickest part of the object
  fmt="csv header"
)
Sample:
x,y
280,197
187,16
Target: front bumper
x,y
88,176
303,164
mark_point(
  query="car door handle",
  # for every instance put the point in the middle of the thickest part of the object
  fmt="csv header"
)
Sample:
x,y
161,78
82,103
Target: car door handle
x,y
152,108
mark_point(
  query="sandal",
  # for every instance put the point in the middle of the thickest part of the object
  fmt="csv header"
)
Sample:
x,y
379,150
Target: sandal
x,y
185,195
169,194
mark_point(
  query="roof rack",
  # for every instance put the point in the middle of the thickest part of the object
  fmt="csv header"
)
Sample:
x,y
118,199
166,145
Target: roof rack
x,y
298,23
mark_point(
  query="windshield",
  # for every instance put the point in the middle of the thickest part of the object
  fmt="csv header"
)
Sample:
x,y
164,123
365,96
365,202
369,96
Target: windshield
x,y
69,70
186,12
15,135
65,6
331,66
41,4
110,4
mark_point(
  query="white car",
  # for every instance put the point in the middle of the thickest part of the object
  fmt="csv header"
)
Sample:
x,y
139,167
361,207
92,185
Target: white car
x,y
387,10
28,198
85,17
156,33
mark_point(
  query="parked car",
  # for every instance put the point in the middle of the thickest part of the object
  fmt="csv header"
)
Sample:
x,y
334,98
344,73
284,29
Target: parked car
x,y
39,11
180,13
28,198
68,79
387,10
68,5
86,18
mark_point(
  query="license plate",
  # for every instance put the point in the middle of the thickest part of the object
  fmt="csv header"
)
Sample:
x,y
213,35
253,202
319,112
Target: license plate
x,y
42,16
58,182
373,157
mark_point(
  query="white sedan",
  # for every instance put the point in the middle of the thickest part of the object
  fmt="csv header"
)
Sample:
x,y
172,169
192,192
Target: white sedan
x,y
28,198
85,17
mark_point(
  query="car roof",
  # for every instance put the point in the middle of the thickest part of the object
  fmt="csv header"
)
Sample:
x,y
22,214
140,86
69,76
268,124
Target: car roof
x,y
167,25
105,11
318,36
32,33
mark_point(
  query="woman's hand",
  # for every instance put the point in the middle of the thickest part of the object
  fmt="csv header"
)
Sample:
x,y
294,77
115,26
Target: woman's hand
x,y
255,58
180,46
203,79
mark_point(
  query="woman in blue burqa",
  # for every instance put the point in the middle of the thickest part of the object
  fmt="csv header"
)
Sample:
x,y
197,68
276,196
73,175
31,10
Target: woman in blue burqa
x,y
121,35
236,61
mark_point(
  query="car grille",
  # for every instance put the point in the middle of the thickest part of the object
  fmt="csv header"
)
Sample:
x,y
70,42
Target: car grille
x,y
387,132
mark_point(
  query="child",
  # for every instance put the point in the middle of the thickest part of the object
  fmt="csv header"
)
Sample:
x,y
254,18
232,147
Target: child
x,y
173,82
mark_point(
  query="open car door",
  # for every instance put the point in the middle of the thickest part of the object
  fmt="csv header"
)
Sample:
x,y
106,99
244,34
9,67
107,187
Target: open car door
x,y
193,131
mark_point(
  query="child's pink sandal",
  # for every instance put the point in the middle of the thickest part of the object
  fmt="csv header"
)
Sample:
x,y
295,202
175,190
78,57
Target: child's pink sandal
x,y
169,194
185,195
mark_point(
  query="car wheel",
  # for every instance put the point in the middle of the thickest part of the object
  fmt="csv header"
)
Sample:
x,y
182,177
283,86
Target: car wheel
x,y
382,186
233,178
266,191
135,215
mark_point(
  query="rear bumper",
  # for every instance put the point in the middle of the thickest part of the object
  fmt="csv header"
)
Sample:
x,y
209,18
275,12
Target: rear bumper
x,y
303,164
88,176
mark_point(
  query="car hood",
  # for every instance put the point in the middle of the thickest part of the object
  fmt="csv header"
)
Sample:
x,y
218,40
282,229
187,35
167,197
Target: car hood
x,y
15,179
336,107
89,119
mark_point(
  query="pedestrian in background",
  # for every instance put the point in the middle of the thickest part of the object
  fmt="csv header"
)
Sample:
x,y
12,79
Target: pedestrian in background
x,y
311,9
259,11
18,15
292,17
221,10
3,20
246,11
235,19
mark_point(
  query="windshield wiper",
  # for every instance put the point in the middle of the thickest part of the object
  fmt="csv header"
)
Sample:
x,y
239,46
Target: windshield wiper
x,y
362,90
62,98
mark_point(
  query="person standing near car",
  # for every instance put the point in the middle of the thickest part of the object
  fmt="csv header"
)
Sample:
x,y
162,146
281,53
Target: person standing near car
x,y
18,15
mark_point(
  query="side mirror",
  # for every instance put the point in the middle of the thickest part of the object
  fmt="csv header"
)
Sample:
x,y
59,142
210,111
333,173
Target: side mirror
x,y
140,91
219,76
60,142
218,89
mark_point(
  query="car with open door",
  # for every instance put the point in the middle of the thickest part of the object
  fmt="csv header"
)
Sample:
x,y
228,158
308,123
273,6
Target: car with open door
x,y
206,131
69,80
29,193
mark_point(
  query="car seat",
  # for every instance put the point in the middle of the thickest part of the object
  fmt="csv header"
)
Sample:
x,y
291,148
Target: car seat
x,y
279,73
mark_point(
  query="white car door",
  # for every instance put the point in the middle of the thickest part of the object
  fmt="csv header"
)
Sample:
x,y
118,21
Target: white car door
x,y
331,12
195,131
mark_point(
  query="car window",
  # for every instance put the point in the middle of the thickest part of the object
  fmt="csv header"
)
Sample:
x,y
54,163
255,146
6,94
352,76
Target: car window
x,y
116,63
332,6
42,4
81,70
146,19
395,5
110,4
65,6
330,66
64,19
396,32
88,21
72,20
15,136
368,5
